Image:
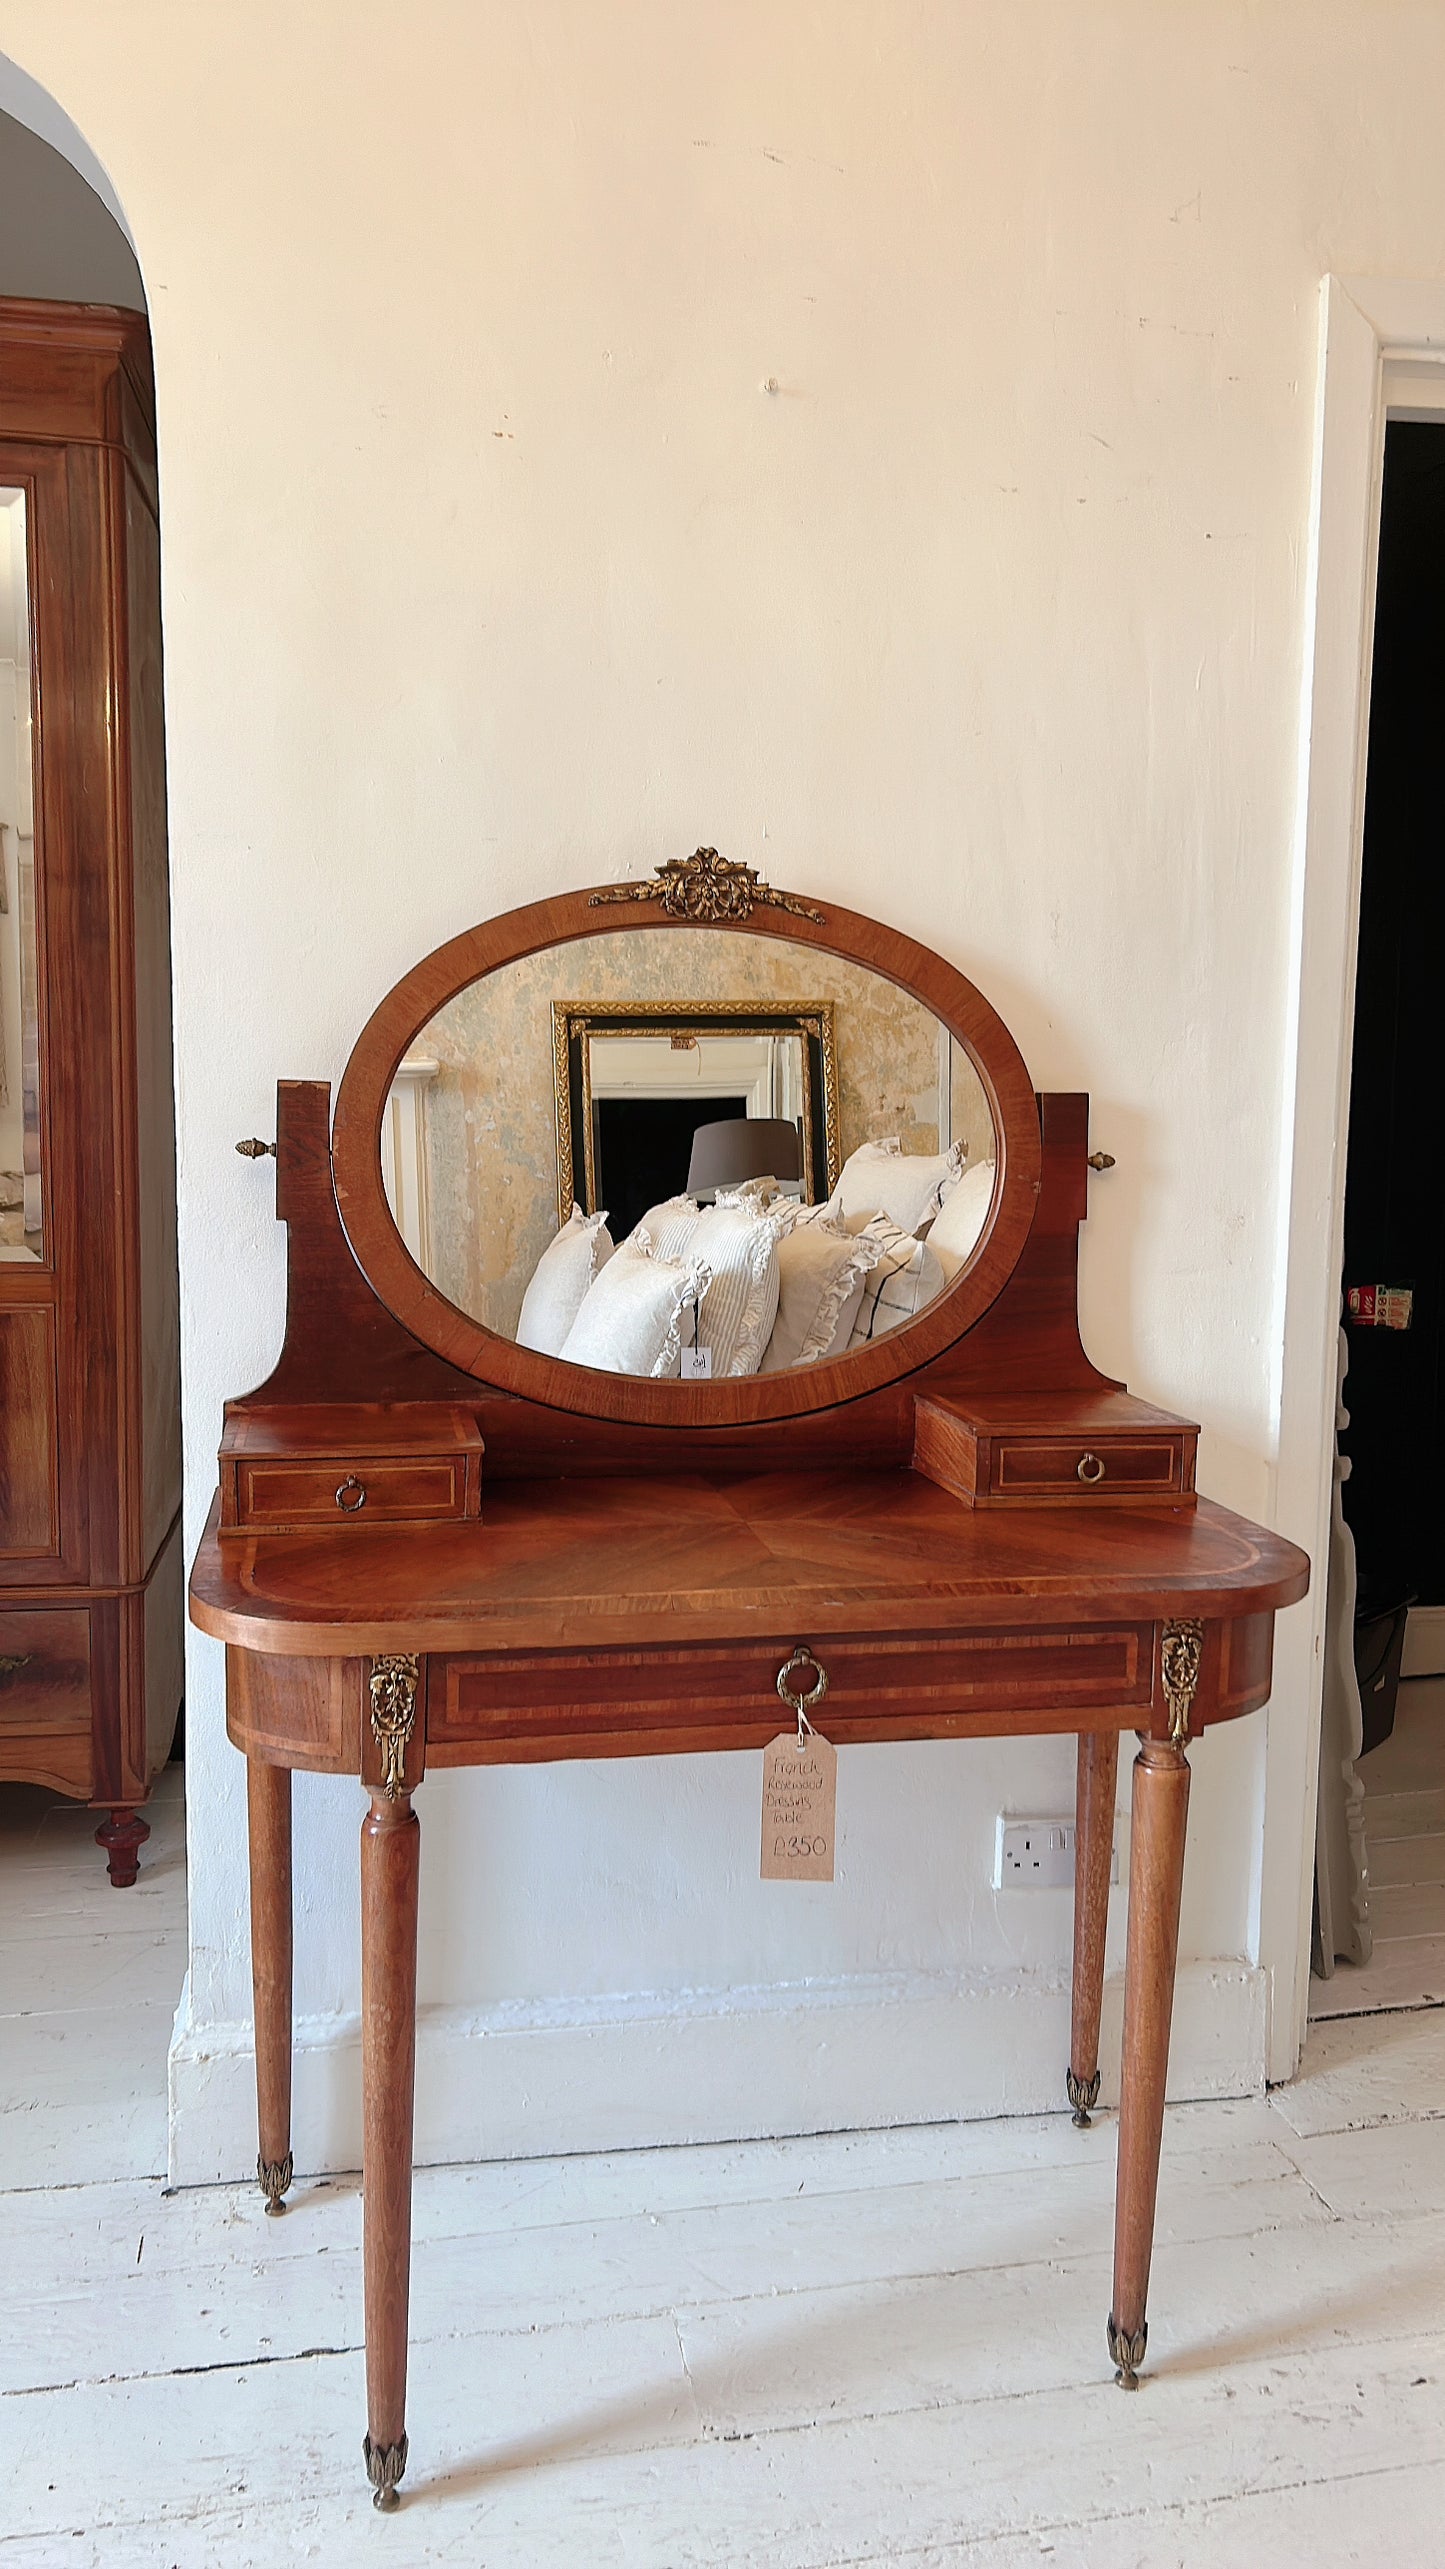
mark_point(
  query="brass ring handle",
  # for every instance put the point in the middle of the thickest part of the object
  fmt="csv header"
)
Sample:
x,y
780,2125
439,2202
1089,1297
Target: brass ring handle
x,y
1091,1469
802,1658
11,1663
347,1503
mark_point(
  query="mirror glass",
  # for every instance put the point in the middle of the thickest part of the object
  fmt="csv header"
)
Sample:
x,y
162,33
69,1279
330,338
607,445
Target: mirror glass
x,y
22,1229
698,1153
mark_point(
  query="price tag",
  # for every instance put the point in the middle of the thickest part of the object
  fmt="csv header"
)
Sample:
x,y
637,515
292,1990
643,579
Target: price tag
x,y
800,1792
697,1364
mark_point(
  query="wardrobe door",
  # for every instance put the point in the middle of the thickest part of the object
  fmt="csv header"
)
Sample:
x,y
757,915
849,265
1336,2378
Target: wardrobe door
x,y
42,1522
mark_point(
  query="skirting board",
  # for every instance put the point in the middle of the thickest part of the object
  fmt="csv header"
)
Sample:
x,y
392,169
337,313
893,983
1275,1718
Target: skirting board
x,y
547,2081
1424,1642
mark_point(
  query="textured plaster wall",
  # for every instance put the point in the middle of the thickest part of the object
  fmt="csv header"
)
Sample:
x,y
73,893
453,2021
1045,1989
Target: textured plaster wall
x,y
493,1130
492,567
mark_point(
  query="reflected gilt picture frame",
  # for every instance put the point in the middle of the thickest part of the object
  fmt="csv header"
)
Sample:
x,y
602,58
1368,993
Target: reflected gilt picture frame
x,y
576,1021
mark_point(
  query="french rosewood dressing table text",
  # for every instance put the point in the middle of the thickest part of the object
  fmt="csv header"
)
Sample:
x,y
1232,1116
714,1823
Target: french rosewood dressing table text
x,y
439,1541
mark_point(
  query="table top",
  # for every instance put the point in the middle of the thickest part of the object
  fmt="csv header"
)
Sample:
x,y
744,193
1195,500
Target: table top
x,y
629,1564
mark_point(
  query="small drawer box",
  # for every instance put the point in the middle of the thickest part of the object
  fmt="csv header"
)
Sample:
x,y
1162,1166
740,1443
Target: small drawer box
x,y
1089,1449
294,1471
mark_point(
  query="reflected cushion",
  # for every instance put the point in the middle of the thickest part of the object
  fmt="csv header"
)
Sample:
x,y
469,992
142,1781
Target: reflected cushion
x,y
739,1242
905,1278
821,1277
954,1232
632,1313
560,1279
907,1186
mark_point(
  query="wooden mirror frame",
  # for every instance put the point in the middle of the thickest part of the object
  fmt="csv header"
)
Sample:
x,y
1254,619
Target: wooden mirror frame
x,y
689,893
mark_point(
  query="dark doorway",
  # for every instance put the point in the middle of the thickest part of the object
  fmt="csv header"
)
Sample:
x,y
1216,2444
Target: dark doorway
x,y
642,1149
1394,1499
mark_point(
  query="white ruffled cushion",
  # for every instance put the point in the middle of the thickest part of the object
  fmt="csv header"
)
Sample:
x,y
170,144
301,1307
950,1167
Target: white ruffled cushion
x,y
954,1232
739,1242
907,1186
904,1280
821,1277
631,1316
565,1269
666,1225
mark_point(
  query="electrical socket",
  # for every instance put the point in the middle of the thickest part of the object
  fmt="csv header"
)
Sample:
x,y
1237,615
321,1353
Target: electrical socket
x,y
1038,1855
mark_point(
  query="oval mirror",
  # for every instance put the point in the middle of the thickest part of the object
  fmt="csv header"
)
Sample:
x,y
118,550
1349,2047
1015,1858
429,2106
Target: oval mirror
x,y
652,1163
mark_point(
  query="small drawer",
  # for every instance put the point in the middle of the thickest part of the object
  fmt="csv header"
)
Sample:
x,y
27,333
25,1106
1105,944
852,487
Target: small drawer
x,y
1099,1450
44,1670
1109,1467
387,1490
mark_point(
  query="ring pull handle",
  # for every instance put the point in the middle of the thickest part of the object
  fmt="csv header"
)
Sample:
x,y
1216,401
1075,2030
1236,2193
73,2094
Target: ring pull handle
x,y
1091,1469
12,1662
351,1495
797,1701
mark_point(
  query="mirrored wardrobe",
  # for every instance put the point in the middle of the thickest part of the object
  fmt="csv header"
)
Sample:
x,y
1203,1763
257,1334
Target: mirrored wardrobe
x,y
90,1457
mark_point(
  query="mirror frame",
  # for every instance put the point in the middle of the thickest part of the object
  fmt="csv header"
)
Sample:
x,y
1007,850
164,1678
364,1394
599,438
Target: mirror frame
x,y
687,893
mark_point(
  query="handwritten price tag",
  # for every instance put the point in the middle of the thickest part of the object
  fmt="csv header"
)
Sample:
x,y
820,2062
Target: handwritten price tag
x,y
800,1793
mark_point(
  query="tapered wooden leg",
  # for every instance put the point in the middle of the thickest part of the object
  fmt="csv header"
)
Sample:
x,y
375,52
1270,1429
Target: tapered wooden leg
x,y
390,1851
1156,1875
1093,1855
268,1791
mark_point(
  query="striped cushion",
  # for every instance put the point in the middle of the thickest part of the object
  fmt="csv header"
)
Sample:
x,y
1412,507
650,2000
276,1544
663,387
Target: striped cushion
x,y
739,1243
822,1274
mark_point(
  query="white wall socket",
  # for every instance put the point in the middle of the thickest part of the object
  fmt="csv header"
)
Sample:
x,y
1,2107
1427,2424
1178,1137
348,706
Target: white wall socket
x,y
1038,1855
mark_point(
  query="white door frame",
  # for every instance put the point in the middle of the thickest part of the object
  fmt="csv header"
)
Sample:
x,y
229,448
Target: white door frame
x,y
1365,324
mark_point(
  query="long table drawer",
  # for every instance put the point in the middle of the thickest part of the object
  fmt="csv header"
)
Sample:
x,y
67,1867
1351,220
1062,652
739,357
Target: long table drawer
x,y
572,1703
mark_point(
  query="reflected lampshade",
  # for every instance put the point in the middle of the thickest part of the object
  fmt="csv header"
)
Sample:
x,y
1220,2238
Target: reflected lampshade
x,y
728,1154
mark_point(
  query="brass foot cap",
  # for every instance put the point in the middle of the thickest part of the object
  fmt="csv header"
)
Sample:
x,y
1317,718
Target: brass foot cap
x,y
1127,2354
1082,2093
273,2177
385,2464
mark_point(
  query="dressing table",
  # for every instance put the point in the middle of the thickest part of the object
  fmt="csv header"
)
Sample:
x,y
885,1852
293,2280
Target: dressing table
x,y
436,1546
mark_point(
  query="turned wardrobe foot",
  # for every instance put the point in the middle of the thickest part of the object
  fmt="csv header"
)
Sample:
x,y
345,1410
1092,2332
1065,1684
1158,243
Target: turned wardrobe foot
x,y
1098,1772
123,1835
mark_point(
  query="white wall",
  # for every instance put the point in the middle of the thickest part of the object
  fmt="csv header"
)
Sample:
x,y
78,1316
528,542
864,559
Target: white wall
x,y
490,568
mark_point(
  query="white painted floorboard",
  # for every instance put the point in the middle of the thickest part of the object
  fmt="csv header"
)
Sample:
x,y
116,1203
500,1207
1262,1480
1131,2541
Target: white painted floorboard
x,y
882,2347
1404,1781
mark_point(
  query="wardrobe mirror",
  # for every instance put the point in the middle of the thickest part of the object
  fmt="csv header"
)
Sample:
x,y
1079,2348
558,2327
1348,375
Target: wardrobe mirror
x,y
22,1226
787,1155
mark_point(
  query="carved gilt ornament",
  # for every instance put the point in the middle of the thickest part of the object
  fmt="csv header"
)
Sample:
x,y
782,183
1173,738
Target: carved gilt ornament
x,y
1179,1658
393,1715
715,891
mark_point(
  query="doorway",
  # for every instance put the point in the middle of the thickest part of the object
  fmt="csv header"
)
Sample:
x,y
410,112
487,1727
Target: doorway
x,y
1393,1497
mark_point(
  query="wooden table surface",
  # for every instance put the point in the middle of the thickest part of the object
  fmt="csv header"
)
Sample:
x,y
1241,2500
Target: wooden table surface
x,y
580,1564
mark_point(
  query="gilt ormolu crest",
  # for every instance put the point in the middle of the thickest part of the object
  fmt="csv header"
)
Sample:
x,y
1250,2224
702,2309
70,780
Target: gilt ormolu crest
x,y
714,890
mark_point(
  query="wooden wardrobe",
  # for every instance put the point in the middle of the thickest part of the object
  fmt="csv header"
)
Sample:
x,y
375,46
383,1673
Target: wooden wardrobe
x,y
90,1448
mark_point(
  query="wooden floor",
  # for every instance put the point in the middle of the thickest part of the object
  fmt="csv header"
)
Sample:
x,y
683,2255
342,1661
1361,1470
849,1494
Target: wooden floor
x,y
1404,1781
886,2348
